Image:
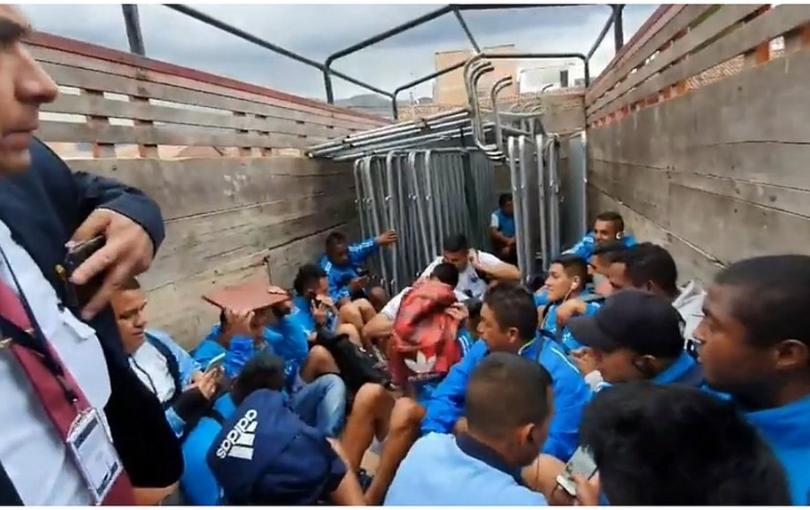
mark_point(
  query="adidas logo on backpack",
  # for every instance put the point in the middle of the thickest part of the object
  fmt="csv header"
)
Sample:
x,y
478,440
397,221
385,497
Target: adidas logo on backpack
x,y
239,441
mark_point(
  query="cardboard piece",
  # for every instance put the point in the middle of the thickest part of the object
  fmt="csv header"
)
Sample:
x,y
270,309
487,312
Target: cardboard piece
x,y
251,295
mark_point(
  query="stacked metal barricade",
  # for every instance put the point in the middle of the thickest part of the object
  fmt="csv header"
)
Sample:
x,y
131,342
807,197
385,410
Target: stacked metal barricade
x,y
430,177
424,195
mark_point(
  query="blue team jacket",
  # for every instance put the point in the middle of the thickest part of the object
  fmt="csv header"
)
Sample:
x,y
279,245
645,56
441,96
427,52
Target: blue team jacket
x,y
340,276
302,312
584,248
571,394
566,340
787,430
198,483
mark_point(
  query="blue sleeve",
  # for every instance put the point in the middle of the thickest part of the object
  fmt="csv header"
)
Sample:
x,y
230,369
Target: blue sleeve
x,y
295,338
240,350
337,289
359,252
540,298
446,405
95,191
584,248
571,395
175,422
592,308
185,363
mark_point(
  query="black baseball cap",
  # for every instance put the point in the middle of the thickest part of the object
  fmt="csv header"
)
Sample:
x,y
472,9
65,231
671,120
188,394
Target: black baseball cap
x,y
632,319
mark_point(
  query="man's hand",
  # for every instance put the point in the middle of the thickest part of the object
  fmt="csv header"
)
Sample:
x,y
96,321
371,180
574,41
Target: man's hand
x,y
474,260
386,238
569,309
239,323
587,490
584,359
458,312
128,252
358,283
327,302
207,383
319,313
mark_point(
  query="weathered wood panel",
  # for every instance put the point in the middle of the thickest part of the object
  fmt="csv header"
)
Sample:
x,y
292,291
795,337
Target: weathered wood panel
x,y
720,173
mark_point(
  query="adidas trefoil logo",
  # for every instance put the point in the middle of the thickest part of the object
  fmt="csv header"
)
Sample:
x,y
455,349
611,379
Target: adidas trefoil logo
x,y
422,365
239,441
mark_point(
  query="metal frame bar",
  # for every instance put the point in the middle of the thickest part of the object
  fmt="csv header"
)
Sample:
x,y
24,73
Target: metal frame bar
x,y
136,42
133,26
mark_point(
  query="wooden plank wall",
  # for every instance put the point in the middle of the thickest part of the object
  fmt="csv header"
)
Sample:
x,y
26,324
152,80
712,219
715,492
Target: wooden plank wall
x,y
700,134
236,199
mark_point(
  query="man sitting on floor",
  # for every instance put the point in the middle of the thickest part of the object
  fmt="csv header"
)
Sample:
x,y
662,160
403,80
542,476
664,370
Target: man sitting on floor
x,y
162,365
502,229
508,409
509,324
348,282
474,267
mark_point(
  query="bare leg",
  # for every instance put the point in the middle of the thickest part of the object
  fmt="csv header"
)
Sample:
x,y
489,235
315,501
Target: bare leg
x,y
377,297
406,418
350,313
319,361
366,309
349,492
370,417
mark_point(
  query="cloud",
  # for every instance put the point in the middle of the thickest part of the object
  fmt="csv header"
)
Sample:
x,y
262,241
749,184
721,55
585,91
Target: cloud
x,y
319,30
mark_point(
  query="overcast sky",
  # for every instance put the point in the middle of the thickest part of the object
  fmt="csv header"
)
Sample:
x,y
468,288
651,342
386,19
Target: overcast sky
x,y
316,31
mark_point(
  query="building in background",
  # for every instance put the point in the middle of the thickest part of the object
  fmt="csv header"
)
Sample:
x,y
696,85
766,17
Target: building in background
x,y
449,89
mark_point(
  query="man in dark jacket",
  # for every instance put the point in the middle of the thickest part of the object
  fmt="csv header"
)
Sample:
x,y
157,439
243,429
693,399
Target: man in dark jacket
x,y
43,206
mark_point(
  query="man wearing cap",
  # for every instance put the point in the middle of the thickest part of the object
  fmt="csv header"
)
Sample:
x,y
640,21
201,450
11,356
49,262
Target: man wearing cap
x,y
635,336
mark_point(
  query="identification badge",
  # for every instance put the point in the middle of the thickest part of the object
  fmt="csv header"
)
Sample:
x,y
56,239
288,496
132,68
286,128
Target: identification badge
x,y
94,453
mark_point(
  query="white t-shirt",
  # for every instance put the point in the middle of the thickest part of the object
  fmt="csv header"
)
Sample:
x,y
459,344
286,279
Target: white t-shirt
x,y
469,283
31,450
494,222
152,369
391,309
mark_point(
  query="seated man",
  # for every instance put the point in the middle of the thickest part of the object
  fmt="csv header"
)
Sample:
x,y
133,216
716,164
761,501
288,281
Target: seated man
x,y
508,408
266,455
650,267
636,336
381,325
674,445
162,365
198,484
509,324
502,229
604,254
565,288
473,267
347,286
312,306
608,226
754,344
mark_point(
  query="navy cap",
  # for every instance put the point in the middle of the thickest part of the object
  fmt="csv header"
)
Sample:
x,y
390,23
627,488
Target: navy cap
x,y
266,455
632,319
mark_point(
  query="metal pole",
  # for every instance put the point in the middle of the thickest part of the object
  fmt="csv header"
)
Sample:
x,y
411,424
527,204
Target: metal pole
x,y
618,27
602,34
133,25
466,30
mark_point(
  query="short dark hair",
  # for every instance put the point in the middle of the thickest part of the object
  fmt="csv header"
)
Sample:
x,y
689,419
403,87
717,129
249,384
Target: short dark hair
x,y
606,248
505,392
573,265
446,273
265,370
455,243
513,306
334,239
613,217
308,275
649,262
504,199
676,445
774,297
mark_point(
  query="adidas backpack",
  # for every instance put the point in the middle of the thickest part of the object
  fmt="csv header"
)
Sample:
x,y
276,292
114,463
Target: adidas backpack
x,y
265,454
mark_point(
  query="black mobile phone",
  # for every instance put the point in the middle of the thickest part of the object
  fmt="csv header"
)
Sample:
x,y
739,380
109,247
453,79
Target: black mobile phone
x,y
77,255
363,272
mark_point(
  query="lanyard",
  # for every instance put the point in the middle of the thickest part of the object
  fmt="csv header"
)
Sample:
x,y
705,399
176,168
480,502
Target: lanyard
x,y
34,339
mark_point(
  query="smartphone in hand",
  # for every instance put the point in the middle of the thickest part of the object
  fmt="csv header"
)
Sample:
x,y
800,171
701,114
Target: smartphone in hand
x,y
75,257
581,463
216,363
